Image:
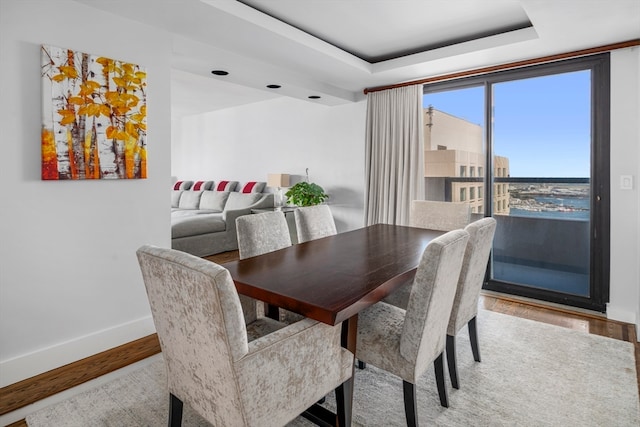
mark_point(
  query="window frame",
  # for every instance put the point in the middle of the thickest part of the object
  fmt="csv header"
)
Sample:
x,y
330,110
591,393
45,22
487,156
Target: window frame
x,y
599,65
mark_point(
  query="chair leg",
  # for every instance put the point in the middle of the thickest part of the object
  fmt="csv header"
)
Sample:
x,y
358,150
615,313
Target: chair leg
x,y
451,361
410,403
361,364
438,364
175,411
344,399
473,337
272,311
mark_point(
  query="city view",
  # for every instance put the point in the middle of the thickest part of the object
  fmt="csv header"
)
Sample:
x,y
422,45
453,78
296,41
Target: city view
x,y
538,174
454,154
559,201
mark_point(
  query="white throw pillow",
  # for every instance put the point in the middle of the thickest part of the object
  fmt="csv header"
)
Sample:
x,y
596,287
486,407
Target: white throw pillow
x,y
190,199
214,200
175,198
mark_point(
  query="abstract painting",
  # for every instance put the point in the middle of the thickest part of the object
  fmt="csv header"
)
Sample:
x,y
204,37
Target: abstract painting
x,y
94,117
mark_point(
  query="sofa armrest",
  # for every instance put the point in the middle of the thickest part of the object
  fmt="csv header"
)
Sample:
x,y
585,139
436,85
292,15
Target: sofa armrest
x,y
229,216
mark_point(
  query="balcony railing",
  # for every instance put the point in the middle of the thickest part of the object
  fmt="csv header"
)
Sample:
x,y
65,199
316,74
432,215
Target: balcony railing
x,y
543,238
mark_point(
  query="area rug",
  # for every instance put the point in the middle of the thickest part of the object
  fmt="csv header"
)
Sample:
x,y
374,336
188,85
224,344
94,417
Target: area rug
x,y
531,374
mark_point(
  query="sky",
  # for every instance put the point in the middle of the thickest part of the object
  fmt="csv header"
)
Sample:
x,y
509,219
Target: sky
x,y
542,124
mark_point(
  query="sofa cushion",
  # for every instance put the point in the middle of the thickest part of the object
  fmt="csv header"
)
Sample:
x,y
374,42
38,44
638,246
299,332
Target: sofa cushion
x,y
196,224
241,200
182,185
214,200
190,200
226,185
202,185
252,187
175,198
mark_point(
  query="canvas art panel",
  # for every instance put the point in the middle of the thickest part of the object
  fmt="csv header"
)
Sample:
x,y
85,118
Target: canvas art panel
x,y
94,113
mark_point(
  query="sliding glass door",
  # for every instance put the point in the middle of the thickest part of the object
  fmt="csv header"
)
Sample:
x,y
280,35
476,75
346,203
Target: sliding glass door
x,y
540,168
543,183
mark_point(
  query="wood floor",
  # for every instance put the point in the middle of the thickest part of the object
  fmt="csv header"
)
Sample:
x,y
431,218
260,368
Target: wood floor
x,y
560,316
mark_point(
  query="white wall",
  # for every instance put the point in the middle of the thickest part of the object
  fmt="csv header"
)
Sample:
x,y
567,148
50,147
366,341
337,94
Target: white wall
x,y
625,204
70,285
284,135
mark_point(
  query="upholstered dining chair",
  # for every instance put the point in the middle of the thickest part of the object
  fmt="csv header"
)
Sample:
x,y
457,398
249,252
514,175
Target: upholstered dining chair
x,y
258,234
405,342
443,216
465,304
213,365
261,233
314,222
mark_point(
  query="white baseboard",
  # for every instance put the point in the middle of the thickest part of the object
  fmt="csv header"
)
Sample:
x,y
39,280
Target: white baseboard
x,y
46,359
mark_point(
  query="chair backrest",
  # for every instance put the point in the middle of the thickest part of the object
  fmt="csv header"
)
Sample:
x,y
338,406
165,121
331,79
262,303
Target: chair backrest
x,y
314,222
443,216
434,287
474,266
262,233
200,326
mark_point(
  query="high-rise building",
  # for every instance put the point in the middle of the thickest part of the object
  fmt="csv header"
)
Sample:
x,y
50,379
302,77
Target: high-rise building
x,y
454,163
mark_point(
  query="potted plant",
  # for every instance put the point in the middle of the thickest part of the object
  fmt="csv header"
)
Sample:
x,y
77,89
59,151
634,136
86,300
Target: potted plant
x,y
306,194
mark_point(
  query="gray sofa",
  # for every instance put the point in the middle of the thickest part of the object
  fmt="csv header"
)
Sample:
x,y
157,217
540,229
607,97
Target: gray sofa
x,y
203,221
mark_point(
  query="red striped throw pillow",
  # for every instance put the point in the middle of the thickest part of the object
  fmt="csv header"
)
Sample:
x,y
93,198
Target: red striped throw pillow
x,y
202,185
224,186
248,187
182,185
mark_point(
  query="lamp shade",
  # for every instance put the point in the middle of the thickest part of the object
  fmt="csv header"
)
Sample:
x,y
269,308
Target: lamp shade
x,y
278,180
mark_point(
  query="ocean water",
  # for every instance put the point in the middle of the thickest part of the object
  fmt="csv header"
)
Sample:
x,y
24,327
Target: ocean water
x,y
573,202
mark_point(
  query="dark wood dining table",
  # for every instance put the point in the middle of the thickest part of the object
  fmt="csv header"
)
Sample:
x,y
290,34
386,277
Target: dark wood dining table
x,y
333,278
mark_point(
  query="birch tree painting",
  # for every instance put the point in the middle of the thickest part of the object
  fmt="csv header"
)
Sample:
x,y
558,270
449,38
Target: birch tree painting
x,y
94,117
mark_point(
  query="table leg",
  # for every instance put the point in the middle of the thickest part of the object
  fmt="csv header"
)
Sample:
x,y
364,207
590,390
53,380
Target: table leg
x,y
272,311
350,333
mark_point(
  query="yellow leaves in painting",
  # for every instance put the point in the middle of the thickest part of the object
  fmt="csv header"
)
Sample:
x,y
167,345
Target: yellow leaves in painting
x,y
95,110
75,100
121,103
69,72
88,88
140,117
66,72
115,133
68,117
121,106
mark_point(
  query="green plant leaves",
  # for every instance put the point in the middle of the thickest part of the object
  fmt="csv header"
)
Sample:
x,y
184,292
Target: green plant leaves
x,y
306,194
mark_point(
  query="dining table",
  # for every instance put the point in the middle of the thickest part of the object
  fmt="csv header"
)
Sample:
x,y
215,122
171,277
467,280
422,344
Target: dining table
x,y
332,279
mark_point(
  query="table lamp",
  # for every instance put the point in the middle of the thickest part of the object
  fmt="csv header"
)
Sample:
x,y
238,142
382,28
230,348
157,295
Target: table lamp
x,y
277,181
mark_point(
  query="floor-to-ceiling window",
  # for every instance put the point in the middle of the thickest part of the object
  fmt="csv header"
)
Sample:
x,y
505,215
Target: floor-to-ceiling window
x,y
530,148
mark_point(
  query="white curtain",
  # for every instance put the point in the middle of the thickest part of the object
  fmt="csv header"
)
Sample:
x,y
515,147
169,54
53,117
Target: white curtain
x,y
394,165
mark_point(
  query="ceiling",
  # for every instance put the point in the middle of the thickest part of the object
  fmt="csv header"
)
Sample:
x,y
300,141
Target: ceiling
x,y
336,48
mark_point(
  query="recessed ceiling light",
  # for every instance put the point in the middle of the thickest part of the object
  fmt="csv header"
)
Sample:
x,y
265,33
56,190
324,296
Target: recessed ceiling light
x,y
314,97
274,86
219,72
